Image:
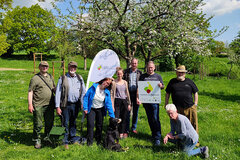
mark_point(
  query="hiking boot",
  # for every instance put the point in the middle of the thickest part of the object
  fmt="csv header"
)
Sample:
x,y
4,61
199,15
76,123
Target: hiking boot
x,y
205,151
37,145
157,143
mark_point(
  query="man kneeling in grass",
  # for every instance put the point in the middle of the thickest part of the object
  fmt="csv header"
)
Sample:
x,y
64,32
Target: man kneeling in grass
x,y
183,134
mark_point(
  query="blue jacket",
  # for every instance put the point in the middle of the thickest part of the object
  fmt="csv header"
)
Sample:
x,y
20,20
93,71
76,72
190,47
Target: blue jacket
x,y
88,98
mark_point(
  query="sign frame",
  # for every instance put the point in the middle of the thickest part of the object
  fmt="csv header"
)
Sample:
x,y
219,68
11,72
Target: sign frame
x,y
149,92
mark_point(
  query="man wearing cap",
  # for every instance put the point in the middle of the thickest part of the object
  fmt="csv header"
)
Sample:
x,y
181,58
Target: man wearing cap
x,y
182,90
41,102
69,98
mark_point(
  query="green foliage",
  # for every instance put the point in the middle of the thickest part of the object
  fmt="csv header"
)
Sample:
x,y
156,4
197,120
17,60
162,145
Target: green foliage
x,y
166,63
63,43
217,47
5,4
3,44
29,29
235,44
235,47
66,48
220,67
234,55
192,61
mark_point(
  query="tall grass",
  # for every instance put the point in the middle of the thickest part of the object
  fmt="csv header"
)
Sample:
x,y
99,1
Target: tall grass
x,y
218,113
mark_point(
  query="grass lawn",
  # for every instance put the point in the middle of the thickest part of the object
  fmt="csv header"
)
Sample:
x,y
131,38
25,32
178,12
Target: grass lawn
x,y
218,116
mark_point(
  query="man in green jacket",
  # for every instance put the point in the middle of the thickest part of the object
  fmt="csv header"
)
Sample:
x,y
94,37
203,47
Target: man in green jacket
x,y
41,103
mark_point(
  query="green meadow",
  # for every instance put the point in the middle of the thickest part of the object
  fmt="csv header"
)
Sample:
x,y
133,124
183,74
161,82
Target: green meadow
x,y
218,117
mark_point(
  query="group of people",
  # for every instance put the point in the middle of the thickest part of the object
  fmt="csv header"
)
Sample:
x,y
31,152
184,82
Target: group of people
x,y
119,98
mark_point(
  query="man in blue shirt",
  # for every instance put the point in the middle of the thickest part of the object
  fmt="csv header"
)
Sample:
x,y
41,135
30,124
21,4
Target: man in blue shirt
x,y
69,98
152,109
132,75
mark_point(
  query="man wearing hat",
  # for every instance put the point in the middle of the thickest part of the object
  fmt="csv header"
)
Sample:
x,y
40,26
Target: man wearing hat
x,y
41,102
182,91
69,98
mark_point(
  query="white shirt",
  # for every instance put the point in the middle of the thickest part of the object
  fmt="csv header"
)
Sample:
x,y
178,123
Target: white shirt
x,y
98,100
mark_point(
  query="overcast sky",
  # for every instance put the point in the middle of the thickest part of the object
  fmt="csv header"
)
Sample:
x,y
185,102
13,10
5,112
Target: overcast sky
x,y
226,13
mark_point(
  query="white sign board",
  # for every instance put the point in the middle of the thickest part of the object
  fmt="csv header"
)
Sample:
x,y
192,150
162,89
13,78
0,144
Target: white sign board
x,y
103,65
149,92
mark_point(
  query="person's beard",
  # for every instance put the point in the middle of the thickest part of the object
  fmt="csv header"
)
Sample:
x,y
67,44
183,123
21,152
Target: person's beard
x,y
72,72
181,78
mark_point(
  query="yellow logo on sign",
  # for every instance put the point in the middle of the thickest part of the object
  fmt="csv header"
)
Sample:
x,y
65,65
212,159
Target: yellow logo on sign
x,y
149,88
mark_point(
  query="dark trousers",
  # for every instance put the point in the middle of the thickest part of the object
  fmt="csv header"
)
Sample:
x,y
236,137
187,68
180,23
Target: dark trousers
x,y
40,113
135,108
70,113
97,116
152,111
121,111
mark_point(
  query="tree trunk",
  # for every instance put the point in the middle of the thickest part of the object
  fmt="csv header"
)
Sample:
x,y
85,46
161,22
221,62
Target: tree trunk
x,y
30,55
85,59
128,63
85,63
146,56
176,60
131,55
62,59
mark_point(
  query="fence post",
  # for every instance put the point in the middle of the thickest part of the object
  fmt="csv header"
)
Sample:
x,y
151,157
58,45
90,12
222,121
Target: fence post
x,y
34,60
53,70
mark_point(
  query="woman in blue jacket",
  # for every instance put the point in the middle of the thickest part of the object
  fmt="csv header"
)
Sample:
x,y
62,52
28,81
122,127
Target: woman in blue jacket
x,y
96,103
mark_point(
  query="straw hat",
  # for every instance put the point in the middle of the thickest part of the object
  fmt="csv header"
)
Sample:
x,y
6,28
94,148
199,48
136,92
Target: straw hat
x,y
181,68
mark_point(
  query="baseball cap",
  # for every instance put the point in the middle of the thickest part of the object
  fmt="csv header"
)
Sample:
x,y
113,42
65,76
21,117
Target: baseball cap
x,y
43,63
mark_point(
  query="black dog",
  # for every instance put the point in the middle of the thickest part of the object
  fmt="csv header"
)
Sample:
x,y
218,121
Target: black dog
x,y
112,135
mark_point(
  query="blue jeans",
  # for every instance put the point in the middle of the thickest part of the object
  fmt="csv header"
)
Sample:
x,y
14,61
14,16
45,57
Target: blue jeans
x,y
70,114
187,146
135,108
152,111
